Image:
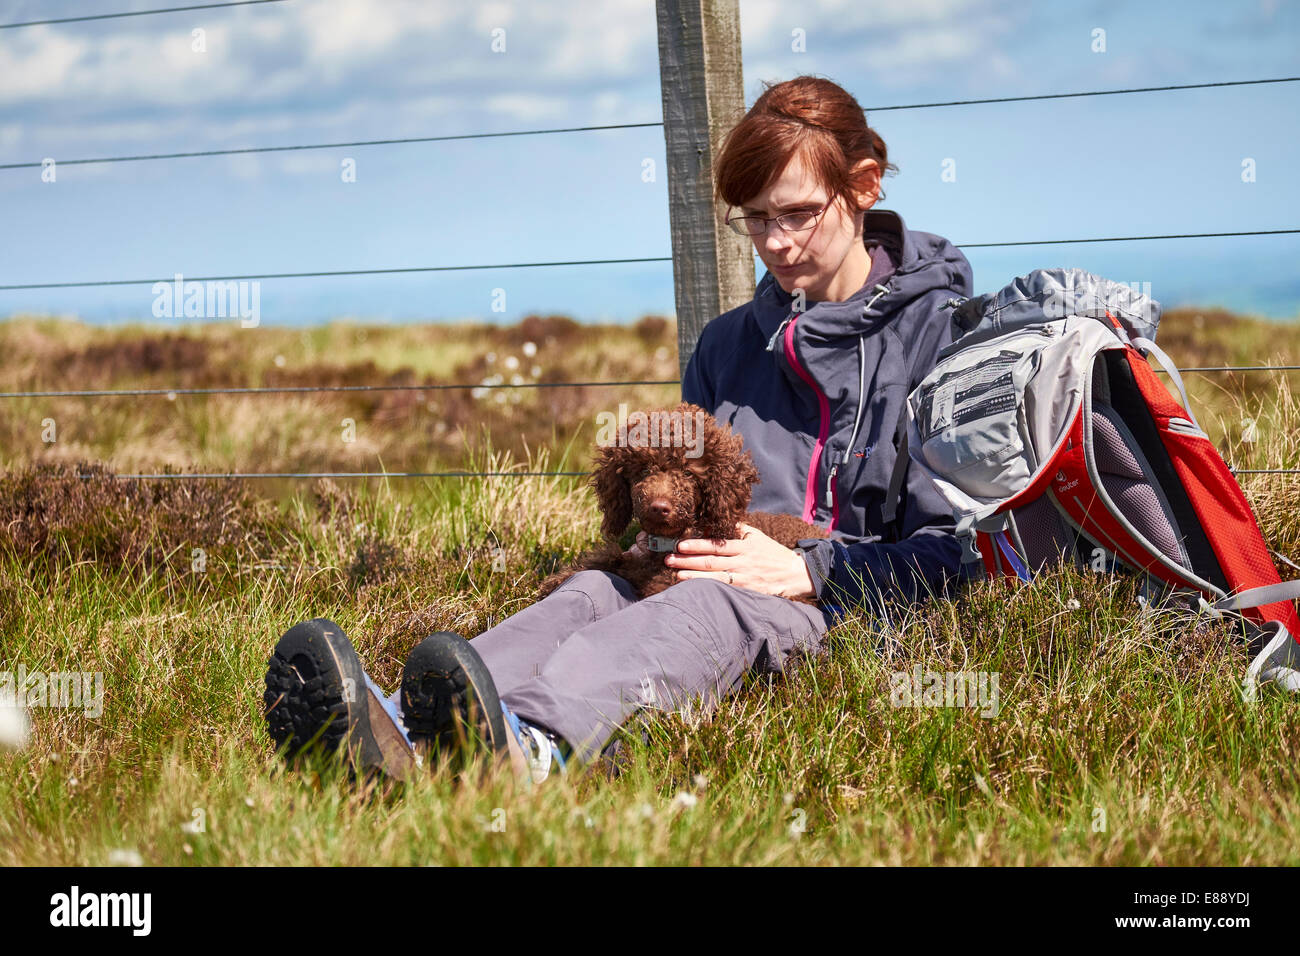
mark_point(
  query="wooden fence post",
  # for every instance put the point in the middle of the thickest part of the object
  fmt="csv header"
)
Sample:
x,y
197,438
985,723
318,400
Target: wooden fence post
x,y
703,96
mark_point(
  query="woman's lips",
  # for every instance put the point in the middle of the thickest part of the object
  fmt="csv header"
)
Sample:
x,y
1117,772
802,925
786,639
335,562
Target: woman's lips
x,y
786,269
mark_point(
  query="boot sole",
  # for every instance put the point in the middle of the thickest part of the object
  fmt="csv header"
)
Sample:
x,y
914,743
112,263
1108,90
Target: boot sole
x,y
446,688
316,696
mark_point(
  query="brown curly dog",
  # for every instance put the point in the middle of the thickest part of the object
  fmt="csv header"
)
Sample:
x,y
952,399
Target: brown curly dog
x,y
689,480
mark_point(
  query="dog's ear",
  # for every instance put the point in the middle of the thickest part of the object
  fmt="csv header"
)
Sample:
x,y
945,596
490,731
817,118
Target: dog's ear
x,y
611,481
729,475
713,439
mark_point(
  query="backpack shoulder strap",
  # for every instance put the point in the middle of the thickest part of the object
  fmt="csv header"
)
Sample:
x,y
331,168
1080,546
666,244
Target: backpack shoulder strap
x,y
1171,370
889,507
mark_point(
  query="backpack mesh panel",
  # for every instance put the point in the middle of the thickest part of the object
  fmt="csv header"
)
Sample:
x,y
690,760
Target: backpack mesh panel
x,y
1127,397
1043,532
1123,478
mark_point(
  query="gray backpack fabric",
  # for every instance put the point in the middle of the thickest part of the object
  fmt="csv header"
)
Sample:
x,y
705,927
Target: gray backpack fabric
x,y
1052,440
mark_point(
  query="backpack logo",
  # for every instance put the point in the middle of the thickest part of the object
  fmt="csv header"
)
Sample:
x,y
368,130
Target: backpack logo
x,y
1063,481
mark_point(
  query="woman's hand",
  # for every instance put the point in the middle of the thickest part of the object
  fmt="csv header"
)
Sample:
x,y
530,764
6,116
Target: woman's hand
x,y
752,561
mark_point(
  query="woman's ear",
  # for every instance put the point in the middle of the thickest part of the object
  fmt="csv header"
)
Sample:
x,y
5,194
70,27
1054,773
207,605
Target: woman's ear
x,y
866,183
613,492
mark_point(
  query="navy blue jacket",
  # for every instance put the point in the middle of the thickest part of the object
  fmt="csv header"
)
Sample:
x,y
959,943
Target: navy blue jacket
x,y
817,397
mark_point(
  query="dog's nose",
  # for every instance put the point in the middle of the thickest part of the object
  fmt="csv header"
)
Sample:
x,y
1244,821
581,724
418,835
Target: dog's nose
x,y
661,507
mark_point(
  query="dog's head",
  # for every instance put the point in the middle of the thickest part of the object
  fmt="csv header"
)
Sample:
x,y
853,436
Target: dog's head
x,y
677,471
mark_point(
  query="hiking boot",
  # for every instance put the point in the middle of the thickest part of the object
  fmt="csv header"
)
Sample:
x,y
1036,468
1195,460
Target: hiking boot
x,y
317,698
448,698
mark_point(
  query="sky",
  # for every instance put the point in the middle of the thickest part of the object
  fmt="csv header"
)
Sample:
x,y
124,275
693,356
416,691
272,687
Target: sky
x,y
313,71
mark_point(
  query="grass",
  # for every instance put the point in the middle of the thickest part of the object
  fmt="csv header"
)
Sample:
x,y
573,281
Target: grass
x,y
1120,737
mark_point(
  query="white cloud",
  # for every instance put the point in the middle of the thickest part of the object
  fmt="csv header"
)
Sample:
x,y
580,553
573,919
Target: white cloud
x,y
928,47
36,62
348,69
528,107
610,105
901,43
598,40
489,16
124,69
763,19
338,35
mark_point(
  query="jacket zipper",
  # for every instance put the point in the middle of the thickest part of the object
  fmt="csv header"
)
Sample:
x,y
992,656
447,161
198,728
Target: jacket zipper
x,y
831,502
824,413
832,499
824,410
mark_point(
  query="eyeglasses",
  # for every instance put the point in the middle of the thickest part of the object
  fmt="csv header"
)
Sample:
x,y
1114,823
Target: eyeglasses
x,y
789,222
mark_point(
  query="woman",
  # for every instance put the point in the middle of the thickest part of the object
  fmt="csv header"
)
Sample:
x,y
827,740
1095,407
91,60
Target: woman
x,y
813,373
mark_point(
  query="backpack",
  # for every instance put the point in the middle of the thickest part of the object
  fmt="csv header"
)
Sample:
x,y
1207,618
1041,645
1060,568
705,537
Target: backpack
x,y
1053,440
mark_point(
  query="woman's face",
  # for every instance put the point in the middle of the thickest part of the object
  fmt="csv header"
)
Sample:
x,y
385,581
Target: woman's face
x,y
828,261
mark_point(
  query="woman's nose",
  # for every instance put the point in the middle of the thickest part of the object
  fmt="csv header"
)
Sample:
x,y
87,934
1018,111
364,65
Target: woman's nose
x,y
776,239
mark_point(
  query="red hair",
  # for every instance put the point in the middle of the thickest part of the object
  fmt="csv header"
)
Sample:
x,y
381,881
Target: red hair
x,y
808,115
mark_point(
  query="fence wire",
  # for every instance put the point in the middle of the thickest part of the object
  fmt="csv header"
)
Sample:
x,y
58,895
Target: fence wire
x,y
134,13
173,393
470,474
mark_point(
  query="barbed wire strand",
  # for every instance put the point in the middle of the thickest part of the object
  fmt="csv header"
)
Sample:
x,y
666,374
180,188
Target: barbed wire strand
x,y
1176,235
1239,368
308,146
578,262
134,13
403,140
471,474
352,474
409,140
336,272
1062,96
171,393
277,389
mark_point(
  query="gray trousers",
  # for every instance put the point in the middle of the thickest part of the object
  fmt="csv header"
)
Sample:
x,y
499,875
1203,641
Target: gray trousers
x,y
589,656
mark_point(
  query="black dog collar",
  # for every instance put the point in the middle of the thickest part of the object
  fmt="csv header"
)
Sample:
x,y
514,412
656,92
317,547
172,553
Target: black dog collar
x,y
657,542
